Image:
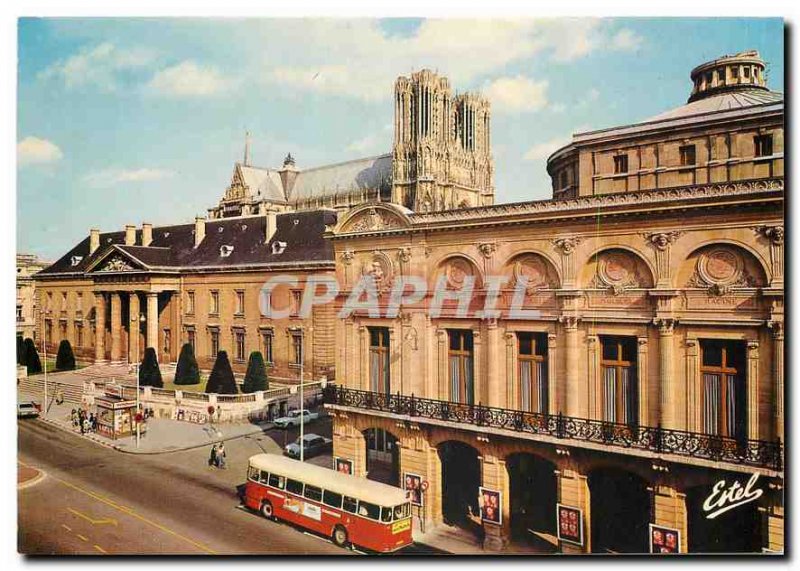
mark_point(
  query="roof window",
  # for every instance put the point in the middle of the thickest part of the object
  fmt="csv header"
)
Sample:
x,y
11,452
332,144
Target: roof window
x,y
278,247
225,250
75,260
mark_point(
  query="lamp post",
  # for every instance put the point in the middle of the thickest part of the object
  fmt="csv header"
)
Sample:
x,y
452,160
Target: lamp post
x,y
142,319
302,395
45,312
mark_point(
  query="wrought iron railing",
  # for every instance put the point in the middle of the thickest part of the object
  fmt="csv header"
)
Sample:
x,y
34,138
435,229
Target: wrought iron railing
x,y
654,439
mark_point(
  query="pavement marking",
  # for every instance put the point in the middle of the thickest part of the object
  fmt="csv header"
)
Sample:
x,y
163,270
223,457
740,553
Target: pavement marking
x,y
100,549
82,537
93,521
65,526
131,513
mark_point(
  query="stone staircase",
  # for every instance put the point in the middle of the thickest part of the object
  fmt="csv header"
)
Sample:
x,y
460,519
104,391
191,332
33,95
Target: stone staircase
x,y
33,387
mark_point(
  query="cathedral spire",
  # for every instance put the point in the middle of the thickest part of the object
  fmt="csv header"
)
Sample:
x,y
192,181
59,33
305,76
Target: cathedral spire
x,y
247,148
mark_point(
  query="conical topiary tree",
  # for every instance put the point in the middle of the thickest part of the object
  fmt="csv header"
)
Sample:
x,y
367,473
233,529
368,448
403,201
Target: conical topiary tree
x,y
20,350
221,379
65,359
255,379
32,360
187,372
149,373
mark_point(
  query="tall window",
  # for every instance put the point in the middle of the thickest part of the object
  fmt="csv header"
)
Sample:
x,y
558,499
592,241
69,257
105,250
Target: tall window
x,y
688,155
532,358
266,340
239,302
724,388
763,144
297,298
214,303
79,304
618,365
167,340
379,359
214,337
190,339
79,335
620,164
239,345
297,348
460,364
190,302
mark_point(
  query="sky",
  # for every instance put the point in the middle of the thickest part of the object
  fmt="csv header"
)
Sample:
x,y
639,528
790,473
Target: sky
x,y
124,121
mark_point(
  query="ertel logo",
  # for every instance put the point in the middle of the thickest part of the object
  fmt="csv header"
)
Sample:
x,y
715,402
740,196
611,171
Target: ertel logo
x,y
721,500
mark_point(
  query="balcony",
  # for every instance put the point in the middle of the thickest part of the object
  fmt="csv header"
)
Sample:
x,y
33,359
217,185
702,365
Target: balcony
x,y
580,431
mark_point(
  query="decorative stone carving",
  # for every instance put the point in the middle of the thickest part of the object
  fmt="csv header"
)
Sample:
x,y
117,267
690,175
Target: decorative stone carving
x,y
776,327
666,325
720,270
569,321
347,257
487,249
772,233
457,271
379,266
617,271
567,245
533,270
374,220
116,264
404,254
662,240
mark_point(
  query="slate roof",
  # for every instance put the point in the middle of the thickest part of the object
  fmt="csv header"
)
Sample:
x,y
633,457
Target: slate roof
x,y
263,183
359,174
722,102
172,248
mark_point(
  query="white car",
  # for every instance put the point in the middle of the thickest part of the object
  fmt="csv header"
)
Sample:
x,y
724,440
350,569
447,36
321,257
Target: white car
x,y
294,416
27,410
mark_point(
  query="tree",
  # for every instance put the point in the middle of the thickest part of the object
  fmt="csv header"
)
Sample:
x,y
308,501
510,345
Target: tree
x,y
255,379
65,359
32,360
20,350
187,372
149,373
221,380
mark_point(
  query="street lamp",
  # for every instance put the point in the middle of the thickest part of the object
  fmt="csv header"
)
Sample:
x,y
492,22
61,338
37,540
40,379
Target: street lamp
x,y
45,312
142,319
302,395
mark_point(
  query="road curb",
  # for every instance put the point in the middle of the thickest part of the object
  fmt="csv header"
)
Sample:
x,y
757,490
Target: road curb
x,y
124,450
33,481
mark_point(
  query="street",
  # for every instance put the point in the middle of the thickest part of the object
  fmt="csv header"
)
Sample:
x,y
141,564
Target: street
x,y
95,500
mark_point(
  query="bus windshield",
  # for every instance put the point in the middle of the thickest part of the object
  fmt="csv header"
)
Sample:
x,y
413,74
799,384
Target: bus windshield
x,y
402,511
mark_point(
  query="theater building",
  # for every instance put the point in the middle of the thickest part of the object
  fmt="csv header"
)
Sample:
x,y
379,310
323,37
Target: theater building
x,y
649,365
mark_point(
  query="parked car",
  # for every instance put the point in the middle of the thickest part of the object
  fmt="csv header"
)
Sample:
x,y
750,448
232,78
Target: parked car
x,y
293,418
313,444
28,409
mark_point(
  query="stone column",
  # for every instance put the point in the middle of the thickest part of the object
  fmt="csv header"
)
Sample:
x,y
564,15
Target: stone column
x,y
152,321
573,491
99,327
133,329
667,385
777,375
575,398
753,389
116,327
495,390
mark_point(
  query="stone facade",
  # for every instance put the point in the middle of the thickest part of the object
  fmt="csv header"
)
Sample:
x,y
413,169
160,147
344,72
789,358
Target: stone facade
x,y
27,310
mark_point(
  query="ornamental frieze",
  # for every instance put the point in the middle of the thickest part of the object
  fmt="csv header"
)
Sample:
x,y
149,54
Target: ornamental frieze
x,y
720,270
373,220
116,264
616,271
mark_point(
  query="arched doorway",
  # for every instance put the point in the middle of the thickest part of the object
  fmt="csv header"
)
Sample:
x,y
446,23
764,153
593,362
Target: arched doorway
x,y
620,511
735,531
383,456
533,494
461,478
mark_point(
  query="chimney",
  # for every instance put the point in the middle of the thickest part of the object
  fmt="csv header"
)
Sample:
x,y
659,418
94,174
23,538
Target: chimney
x,y
147,233
199,230
94,240
271,226
130,235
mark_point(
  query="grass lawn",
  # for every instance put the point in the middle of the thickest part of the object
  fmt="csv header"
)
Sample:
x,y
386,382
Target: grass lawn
x,y
50,366
198,388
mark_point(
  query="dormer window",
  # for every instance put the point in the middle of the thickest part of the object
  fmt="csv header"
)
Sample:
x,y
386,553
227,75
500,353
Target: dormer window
x,y
75,260
220,229
278,247
225,250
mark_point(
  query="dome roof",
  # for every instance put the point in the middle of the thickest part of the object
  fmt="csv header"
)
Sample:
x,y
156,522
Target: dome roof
x,y
729,101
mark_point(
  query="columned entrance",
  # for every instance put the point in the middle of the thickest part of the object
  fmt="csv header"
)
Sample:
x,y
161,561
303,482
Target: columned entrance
x,y
461,478
620,511
383,456
533,494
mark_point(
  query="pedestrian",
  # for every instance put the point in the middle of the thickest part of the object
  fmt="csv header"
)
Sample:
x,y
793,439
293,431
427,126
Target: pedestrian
x,y
81,419
74,417
94,422
212,460
85,425
221,456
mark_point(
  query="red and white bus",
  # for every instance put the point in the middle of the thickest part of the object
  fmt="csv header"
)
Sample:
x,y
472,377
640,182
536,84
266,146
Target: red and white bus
x,y
347,509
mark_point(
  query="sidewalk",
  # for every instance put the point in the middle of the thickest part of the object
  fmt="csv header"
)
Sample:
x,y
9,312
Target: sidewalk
x,y
162,435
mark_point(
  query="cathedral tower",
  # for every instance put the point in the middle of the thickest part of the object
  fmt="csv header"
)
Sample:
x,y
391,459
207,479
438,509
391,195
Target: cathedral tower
x,y
442,152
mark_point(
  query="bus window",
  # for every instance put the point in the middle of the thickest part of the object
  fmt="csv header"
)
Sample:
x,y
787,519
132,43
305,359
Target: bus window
x,y
350,504
276,481
386,514
332,499
264,477
369,510
313,493
252,474
294,487
401,511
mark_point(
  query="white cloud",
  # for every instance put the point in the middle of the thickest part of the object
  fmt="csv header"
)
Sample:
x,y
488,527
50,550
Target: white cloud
x,y
99,66
33,150
188,79
110,177
540,151
626,40
514,94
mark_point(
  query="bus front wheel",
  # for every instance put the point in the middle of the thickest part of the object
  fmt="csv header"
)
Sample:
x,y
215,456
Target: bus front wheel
x,y
266,510
340,536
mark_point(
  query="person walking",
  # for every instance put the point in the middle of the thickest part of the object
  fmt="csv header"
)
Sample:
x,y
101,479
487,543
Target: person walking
x,y
94,422
81,419
221,456
212,460
74,417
